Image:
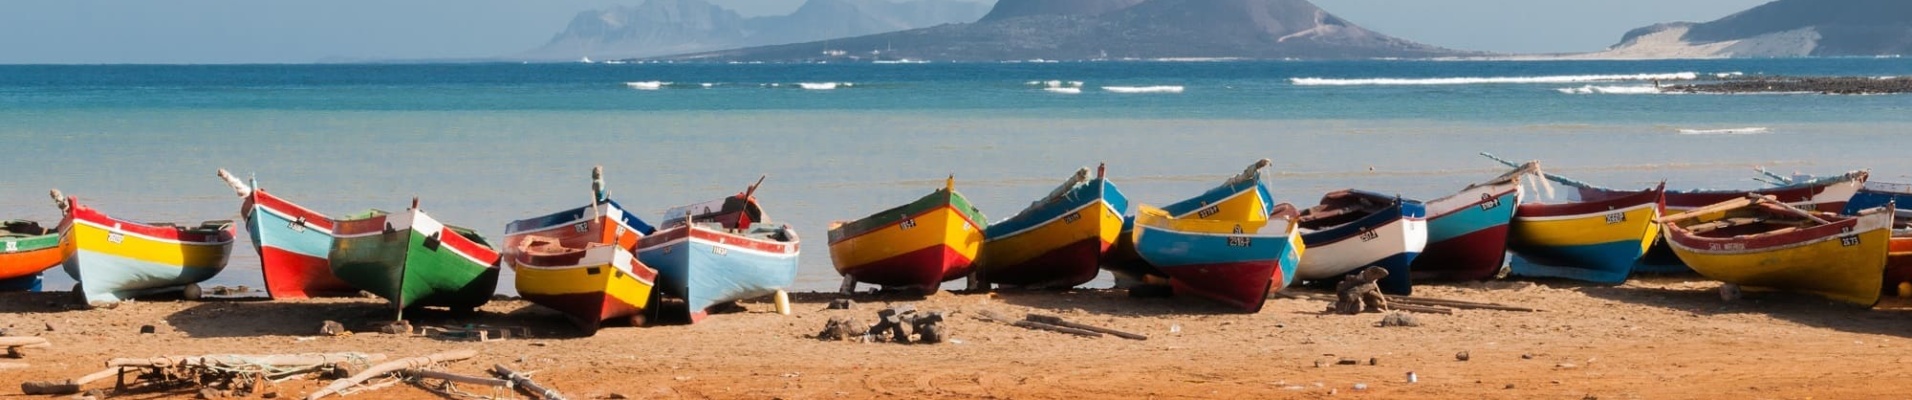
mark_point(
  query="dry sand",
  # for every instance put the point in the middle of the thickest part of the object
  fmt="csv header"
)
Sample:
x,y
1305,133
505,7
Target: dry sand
x,y
1655,338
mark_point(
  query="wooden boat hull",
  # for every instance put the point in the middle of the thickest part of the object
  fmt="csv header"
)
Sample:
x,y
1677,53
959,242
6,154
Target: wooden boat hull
x,y
1058,244
1843,261
590,286
1467,233
592,276
1898,261
293,244
932,240
1244,197
114,259
706,267
1595,241
1235,263
25,253
1390,239
412,261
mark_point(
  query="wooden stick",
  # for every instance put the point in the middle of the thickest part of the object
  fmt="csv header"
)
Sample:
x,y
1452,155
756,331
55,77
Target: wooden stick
x,y
1717,207
392,366
992,315
231,359
1420,308
525,384
23,341
1458,304
68,386
1058,321
451,377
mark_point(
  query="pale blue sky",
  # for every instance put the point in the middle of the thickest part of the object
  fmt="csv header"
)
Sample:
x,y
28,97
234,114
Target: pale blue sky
x,y
296,31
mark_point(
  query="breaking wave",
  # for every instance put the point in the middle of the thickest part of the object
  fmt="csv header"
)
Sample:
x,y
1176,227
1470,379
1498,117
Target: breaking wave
x,y
1143,89
1498,79
1591,89
1751,130
1063,90
647,85
824,85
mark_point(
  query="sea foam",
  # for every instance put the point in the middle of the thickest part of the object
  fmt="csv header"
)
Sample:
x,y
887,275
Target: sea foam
x,y
1729,131
1494,79
823,85
1143,89
1591,89
647,85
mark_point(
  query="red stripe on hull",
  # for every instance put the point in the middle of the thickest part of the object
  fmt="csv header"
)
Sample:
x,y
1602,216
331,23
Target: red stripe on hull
x,y
927,268
1066,266
313,218
292,275
588,310
1240,284
1471,257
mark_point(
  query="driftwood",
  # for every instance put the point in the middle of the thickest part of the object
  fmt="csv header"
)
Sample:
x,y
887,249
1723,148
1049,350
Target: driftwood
x,y
1423,301
69,386
1422,309
15,343
451,377
993,316
1058,321
233,360
525,384
390,367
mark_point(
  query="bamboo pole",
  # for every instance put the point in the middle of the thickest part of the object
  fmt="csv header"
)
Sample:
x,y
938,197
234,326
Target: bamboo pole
x,y
1716,207
525,384
392,366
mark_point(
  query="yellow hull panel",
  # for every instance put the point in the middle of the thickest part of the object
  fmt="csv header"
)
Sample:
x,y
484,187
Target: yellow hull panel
x,y
189,255
1849,273
1094,221
579,281
939,227
1635,224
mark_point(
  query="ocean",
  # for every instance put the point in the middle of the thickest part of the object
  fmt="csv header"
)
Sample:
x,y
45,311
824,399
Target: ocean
x,y
483,144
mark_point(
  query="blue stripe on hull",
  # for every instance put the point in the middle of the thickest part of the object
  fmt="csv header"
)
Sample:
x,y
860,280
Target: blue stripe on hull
x,y
693,270
28,283
1399,280
1599,263
275,231
1470,220
110,278
1169,249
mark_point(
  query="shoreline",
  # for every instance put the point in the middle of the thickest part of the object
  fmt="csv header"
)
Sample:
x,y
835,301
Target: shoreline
x,y
1651,337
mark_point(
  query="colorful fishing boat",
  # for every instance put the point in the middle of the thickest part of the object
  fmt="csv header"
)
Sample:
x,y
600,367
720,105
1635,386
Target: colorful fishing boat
x,y
412,260
1467,231
1593,236
1243,197
1060,240
292,242
1353,229
113,259
26,249
1760,241
579,262
720,251
1234,262
917,245
1875,194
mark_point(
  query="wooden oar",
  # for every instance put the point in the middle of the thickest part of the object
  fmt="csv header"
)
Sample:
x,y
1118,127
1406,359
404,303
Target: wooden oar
x,y
1716,207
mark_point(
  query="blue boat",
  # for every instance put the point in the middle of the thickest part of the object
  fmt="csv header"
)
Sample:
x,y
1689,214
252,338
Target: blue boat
x,y
1243,197
1234,262
1060,240
1467,231
720,251
1352,229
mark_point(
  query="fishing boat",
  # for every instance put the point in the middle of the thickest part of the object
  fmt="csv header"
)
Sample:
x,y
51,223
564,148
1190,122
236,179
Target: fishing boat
x,y
113,259
917,245
293,243
1595,236
1060,240
1875,194
1234,262
579,261
1353,229
1467,231
720,251
1243,197
26,249
1760,241
412,260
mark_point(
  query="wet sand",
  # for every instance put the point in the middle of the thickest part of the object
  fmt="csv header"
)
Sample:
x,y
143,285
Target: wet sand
x,y
1653,338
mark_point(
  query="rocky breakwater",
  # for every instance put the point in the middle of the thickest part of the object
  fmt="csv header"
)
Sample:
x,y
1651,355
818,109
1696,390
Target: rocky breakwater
x,y
1793,84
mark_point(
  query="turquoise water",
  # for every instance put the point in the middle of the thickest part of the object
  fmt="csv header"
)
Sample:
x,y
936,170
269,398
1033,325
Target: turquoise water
x,y
484,144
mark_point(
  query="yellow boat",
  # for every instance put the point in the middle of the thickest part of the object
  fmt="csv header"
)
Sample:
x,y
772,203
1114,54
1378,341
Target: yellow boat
x,y
1759,241
114,259
1059,241
922,244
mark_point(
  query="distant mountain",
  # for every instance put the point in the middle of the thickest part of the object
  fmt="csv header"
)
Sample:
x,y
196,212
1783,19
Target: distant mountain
x,y
1784,28
661,27
1115,29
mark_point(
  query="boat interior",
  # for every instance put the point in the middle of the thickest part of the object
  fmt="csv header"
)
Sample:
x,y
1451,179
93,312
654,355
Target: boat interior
x,y
21,228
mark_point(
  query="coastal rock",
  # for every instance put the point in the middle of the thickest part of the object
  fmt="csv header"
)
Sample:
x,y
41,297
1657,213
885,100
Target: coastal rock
x,y
1784,28
663,27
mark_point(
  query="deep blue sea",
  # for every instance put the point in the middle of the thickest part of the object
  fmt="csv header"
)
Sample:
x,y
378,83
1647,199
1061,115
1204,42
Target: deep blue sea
x,y
483,144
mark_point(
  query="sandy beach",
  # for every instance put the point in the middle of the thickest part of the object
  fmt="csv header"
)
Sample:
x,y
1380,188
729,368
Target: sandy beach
x,y
1653,338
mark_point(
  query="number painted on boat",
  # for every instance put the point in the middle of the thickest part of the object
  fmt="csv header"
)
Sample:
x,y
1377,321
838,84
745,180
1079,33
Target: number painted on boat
x,y
1370,235
1615,218
1072,217
1237,228
907,224
11,246
297,225
719,251
1849,241
1488,201
1211,210
582,227
116,237
1240,241
619,231
1726,246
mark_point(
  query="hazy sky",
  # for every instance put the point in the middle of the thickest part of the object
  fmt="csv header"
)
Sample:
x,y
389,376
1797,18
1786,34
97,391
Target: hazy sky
x,y
281,31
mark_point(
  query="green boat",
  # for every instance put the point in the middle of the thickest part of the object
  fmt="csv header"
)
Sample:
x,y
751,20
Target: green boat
x,y
414,261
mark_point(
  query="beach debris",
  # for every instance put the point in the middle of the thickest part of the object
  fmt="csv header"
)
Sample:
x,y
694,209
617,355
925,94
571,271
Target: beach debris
x,y
1411,378
894,324
15,343
1462,356
399,327
1360,293
1360,386
842,304
1566,365
1058,321
1348,361
929,327
1399,319
148,329
994,316
1729,292
1374,361
1321,363
890,322
1527,356
476,332
69,386
447,377
215,374
1509,386
49,327
843,328
524,383
333,328
388,368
